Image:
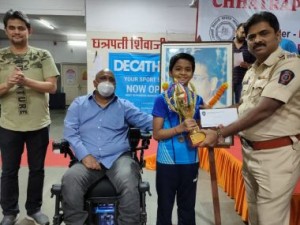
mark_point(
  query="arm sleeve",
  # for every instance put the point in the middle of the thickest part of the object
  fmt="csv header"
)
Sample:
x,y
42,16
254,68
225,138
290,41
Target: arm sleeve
x,y
71,130
49,67
284,91
160,108
137,118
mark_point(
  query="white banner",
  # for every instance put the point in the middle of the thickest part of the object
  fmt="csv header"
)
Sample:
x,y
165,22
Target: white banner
x,y
218,19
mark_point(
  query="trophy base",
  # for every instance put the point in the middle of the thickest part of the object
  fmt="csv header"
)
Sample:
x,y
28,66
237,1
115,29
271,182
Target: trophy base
x,y
196,138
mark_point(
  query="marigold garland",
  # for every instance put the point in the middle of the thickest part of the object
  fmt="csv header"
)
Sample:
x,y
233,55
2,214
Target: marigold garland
x,y
218,94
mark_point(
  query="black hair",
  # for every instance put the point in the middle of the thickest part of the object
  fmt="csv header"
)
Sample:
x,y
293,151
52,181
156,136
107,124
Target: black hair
x,y
263,16
178,56
240,25
11,14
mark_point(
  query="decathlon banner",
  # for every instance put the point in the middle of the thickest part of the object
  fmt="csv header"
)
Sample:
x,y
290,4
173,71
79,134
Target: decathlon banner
x,y
137,77
218,19
134,60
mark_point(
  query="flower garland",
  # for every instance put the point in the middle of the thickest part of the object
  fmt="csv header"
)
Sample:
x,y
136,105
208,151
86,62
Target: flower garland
x,y
218,94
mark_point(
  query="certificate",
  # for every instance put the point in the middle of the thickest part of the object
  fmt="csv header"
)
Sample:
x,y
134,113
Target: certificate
x,y
215,117
211,118
238,59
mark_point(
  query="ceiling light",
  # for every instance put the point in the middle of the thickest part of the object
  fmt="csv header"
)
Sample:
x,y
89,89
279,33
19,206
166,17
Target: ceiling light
x,y
46,24
77,35
194,4
77,43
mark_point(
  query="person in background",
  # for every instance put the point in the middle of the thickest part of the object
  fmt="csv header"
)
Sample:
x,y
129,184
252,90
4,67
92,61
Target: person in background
x,y
27,75
240,47
269,124
96,126
205,84
177,162
288,45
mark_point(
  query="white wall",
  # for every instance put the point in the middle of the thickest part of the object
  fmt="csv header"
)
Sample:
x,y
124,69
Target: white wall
x,y
46,7
153,16
61,51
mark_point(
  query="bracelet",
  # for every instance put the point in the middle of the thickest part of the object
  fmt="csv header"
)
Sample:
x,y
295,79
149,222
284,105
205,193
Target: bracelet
x,y
176,132
219,133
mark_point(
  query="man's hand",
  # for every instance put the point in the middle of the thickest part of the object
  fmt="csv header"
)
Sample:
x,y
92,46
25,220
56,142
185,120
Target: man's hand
x,y
245,65
211,138
90,162
17,77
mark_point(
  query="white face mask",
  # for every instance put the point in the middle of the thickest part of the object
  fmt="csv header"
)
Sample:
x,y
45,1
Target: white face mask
x,y
106,88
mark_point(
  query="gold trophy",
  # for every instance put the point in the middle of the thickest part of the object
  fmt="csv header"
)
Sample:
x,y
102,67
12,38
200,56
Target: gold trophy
x,y
182,101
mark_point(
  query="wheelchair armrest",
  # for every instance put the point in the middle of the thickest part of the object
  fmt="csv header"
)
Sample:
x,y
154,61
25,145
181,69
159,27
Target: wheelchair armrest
x,y
56,190
135,136
64,148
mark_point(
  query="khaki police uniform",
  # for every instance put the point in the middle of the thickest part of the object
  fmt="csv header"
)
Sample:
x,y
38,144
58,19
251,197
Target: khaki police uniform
x,y
271,148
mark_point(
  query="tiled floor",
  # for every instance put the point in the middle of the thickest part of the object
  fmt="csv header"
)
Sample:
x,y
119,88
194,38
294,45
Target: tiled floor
x,y
204,207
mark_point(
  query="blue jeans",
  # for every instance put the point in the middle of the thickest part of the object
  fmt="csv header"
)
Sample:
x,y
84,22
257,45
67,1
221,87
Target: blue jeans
x,y
12,147
124,175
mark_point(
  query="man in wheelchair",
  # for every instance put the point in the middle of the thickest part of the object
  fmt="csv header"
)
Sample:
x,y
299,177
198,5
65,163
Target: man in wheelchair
x,y
96,127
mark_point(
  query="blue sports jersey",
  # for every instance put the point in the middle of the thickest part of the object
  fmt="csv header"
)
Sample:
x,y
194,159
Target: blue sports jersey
x,y
171,151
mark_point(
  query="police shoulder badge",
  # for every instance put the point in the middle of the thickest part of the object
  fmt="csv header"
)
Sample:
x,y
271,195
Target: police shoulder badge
x,y
285,77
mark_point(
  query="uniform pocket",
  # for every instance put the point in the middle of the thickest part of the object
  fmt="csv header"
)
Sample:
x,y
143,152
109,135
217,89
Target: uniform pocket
x,y
257,89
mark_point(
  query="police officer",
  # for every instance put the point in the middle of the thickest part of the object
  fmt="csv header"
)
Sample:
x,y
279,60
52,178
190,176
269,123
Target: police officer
x,y
269,124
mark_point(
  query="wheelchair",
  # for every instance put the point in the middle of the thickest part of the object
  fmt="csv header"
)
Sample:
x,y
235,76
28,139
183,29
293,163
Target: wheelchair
x,y
101,200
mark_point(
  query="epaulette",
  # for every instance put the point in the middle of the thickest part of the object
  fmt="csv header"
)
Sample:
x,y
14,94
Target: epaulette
x,y
288,55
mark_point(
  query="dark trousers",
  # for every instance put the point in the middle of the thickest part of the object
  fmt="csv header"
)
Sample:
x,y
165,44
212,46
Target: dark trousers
x,y
237,91
178,181
12,147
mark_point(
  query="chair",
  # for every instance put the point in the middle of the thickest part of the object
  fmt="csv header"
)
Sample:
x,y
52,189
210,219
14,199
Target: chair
x,y
101,200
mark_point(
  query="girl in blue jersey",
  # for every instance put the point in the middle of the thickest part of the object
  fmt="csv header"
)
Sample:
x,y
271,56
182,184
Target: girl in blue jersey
x,y
177,162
